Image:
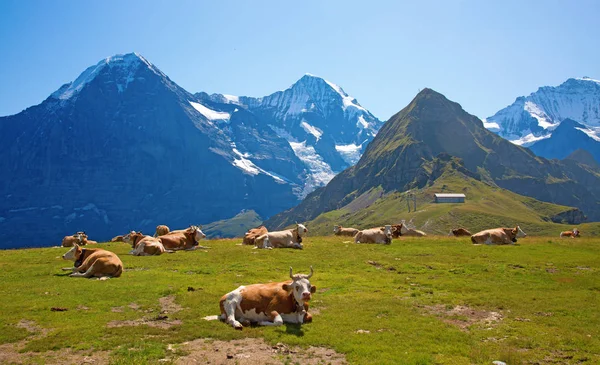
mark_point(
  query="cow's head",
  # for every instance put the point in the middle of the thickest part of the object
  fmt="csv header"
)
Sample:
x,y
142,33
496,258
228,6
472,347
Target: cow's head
x,y
336,229
576,232
128,237
518,232
73,253
81,236
387,230
397,230
302,230
198,234
300,286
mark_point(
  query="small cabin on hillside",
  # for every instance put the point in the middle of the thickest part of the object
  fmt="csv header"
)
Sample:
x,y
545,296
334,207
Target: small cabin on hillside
x,y
449,198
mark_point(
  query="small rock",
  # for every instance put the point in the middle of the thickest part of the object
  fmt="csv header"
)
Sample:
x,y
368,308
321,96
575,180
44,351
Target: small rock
x,y
58,309
229,356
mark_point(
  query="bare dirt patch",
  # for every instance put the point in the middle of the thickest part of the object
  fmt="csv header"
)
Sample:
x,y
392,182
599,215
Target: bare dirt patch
x,y
9,354
30,326
254,351
464,317
168,305
162,322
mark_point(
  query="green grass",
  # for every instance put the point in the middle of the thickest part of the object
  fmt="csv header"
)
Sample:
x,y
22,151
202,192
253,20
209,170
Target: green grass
x,y
547,290
485,207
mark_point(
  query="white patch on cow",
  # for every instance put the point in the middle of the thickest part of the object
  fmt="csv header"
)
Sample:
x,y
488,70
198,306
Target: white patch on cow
x,y
254,316
520,232
70,255
293,317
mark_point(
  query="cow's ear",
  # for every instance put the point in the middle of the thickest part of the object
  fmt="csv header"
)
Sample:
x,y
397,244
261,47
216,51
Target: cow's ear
x,y
313,289
286,287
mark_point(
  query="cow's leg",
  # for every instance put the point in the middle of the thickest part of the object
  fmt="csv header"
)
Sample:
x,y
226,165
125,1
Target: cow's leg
x,y
229,306
276,320
87,274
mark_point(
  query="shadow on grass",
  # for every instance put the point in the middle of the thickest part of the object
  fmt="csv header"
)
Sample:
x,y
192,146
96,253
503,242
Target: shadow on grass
x,y
66,273
294,329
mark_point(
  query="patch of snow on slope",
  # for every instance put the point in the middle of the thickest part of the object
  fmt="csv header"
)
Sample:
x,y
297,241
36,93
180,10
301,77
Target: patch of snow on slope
x,y
537,113
232,99
244,164
591,133
346,99
312,130
209,113
321,171
587,79
282,133
362,123
349,152
529,139
493,126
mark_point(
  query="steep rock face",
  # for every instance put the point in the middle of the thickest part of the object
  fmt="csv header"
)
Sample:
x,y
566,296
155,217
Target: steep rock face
x,y
565,139
326,128
573,216
533,117
399,158
123,147
583,157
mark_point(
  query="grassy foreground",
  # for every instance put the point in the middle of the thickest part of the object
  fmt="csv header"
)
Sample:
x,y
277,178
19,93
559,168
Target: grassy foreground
x,y
437,300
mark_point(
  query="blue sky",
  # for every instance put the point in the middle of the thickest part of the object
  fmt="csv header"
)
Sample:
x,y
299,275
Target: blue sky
x,y
482,54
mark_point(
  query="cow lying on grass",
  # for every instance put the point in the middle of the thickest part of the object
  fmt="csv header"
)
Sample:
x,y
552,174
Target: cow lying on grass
x,y
459,232
187,239
143,245
250,236
291,238
269,304
375,235
341,231
498,236
93,262
411,232
573,234
79,238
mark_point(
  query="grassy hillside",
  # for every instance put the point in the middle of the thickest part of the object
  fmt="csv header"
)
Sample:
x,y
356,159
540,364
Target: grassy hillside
x,y
485,207
233,227
437,300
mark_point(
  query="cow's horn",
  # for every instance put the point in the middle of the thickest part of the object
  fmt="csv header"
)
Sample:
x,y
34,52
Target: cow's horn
x,y
311,272
291,276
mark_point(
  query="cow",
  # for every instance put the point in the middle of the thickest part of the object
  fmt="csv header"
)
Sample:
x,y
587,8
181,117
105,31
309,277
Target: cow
x,y
93,262
118,238
143,245
573,234
459,232
187,239
161,230
79,238
290,238
341,231
397,230
375,235
498,236
269,304
412,232
252,233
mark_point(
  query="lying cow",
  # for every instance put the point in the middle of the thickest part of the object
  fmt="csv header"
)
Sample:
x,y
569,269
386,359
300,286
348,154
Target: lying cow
x,y
459,232
252,233
79,238
397,230
118,238
375,235
412,232
143,245
573,234
161,230
269,304
498,236
187,239
290,238
93,262
341,231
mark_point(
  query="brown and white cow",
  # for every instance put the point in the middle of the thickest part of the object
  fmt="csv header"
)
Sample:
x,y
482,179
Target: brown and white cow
x,y
459,232
269,304
341,231
375,235
187,239
411,232
79,238
397,230
252,233
290,238
143,245
93,262
118,238
573,234
498,236
161,230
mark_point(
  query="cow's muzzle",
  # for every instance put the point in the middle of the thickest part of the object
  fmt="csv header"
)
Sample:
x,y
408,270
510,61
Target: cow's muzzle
x,y
306,296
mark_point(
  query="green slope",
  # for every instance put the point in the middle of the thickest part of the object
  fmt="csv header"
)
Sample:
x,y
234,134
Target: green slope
x,y
233,227
486,206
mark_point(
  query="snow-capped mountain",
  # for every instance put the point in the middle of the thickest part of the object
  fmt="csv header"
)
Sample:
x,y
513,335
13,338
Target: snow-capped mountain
x,y
325,127
532,118
568,137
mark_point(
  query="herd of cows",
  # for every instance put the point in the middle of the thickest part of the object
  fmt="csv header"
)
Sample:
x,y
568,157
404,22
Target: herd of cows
x,y
269,304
